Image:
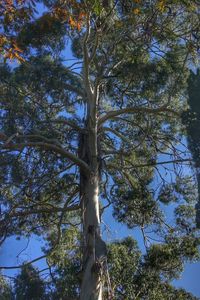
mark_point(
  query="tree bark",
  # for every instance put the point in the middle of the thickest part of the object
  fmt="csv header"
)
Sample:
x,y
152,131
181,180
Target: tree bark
x,y
94,248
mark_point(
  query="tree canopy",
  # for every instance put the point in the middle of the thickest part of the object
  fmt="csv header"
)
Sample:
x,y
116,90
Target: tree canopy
x,y
91,120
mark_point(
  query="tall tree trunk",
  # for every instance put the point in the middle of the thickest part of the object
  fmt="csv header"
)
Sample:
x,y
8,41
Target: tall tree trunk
x,y
94,248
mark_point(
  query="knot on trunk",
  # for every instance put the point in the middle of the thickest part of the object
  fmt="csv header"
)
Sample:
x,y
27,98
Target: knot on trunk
x,y
91,229
97,267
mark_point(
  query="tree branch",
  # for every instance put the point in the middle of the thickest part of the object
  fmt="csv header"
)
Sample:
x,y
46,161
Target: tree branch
x,y
79,162
117,133
129,110
74,89
43,210
86,59
25,264
176,161
65,122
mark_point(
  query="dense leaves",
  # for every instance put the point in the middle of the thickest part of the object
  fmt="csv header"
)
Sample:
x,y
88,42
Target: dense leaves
x,y
28,285
5,289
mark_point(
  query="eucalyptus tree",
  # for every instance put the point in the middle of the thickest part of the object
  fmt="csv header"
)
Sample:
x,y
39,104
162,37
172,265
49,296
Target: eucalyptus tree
x,y
82,133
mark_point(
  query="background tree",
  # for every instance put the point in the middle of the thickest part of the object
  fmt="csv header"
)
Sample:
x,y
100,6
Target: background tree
x,y
5,289
79,136
28,285
191,119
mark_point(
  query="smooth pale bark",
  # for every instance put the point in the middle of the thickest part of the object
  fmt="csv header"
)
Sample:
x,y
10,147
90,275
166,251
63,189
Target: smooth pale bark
x,y
92,263
94,248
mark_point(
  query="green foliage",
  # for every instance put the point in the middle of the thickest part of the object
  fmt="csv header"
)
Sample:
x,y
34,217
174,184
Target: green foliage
x,y
183,189
28,284
5,289
164,259
135,207
135,277
46,30
123,259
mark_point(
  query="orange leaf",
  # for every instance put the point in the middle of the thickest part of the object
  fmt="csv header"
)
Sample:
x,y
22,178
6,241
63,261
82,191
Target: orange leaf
x,y
9,55
82,15
136,11
79,26
19,58
161,5
2,40
72,23
16,48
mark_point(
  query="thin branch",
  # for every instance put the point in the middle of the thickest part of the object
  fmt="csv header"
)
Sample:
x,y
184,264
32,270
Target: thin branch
x,y
96,42
74,89
117,133
150,164
65,122
25,264
43,210
129,110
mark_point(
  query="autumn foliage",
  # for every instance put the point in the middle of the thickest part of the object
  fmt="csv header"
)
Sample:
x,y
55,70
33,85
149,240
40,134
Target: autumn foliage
x,y
14,14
